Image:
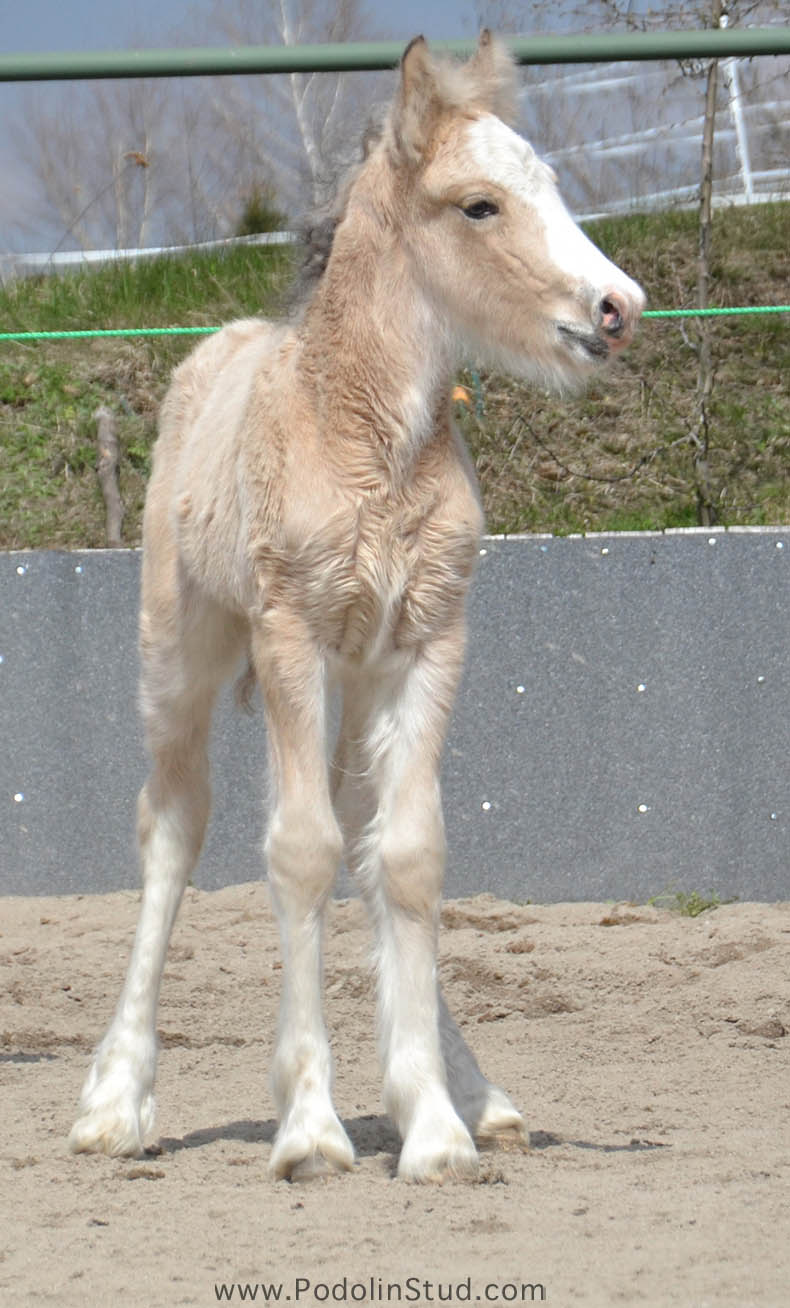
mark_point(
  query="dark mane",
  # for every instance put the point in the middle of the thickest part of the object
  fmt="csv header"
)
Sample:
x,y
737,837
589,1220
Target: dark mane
x,y
316,241
317,231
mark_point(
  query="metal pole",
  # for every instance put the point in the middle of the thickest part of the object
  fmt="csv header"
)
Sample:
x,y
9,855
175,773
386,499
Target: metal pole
x,y
732,77
736,109
700,435
614,46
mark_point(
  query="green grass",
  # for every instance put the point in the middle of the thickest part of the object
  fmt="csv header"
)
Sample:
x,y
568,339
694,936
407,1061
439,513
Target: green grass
x,y
193,291
49,391
615,458
687,904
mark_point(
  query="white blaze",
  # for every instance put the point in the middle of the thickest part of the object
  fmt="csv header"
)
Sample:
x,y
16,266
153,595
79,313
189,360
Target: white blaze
x,y
508,161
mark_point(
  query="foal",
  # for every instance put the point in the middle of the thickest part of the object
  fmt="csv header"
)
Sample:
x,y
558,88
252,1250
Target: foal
x,y
312,508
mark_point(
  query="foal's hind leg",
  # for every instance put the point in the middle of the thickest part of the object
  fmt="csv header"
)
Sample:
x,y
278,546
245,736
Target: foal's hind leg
x,y
303,849
180,676
485,1108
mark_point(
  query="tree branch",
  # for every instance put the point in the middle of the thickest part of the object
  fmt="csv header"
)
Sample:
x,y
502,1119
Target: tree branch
x,y
107,469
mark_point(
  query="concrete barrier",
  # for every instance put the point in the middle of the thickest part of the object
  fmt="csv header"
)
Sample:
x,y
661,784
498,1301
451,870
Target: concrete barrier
x,y
622,725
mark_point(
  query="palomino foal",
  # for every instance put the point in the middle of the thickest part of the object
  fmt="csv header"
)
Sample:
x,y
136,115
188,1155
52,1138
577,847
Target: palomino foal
x,y
312,508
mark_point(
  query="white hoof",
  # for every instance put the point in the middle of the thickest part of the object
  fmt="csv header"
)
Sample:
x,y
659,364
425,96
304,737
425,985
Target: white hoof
x,y
437,1150
499,1119
116,1109
304,1151
116,1128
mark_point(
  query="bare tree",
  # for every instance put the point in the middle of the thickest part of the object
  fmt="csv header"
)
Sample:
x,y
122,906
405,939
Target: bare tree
x,y
122,164
132,163
285,127
98,161
128,163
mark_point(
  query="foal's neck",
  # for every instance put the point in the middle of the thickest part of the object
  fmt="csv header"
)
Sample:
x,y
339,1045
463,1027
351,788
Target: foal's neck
x,y
379,359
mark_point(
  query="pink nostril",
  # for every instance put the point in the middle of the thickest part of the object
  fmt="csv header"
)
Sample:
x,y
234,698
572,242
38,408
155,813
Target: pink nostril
x,y
614,314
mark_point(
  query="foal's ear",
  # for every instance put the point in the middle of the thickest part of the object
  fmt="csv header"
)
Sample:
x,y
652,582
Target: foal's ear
x,y
492,72
418,102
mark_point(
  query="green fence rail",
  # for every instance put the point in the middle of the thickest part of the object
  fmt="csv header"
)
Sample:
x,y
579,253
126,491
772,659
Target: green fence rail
x,y
617,46
94,333
372,55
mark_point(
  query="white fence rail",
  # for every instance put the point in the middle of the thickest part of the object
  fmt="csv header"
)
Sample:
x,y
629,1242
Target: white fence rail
x,y
16,265
626,137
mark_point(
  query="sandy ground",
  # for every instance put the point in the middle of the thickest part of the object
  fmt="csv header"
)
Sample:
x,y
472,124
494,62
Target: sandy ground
x,y
649,1052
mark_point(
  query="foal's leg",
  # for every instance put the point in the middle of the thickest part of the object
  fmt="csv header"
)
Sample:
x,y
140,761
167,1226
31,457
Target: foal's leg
x,y
485,1108
368,732
180,677
401,858
303,849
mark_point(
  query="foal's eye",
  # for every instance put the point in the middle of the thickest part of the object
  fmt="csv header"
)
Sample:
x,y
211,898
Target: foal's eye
x,y
480,209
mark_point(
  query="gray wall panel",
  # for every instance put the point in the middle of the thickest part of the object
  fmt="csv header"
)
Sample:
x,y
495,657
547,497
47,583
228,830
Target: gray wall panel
x,y
562,779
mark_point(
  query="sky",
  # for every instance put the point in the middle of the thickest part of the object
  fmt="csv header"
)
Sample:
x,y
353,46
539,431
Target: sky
x,y
43,25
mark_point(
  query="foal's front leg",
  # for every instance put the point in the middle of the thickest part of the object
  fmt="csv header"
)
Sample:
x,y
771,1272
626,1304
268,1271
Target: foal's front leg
x,y
401,860
303,850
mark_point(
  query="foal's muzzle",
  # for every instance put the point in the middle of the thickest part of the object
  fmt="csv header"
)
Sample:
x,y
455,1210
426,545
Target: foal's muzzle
x,y
617,315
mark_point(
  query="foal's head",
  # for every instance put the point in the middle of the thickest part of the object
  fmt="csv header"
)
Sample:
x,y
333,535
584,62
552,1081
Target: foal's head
x,y
491,240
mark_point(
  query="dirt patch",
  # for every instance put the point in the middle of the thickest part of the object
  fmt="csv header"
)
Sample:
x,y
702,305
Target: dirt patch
x,y
651,1063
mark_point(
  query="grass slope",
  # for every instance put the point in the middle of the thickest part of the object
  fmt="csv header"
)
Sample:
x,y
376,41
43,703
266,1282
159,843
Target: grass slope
x,y
616,458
